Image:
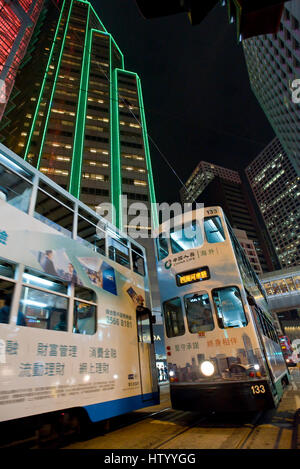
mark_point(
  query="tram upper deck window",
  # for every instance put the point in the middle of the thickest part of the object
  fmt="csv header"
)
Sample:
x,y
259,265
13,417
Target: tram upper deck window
x,y
53,209
14,189
198,312
173,317
138,263
229,307
91,231
118,251
162,247
186,237
213,228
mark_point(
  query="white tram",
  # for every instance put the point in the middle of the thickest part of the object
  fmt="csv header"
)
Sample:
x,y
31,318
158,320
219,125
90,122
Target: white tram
x,y
70,336
223,351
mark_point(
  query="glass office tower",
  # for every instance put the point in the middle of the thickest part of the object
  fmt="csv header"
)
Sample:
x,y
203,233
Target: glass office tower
x,y
79,117
17,23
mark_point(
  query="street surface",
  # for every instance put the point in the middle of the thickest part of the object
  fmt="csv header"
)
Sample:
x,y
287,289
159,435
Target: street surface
x,y
160,427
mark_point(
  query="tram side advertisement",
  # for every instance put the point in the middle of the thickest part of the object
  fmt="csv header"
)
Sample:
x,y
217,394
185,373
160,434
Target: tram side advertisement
x,y
46,370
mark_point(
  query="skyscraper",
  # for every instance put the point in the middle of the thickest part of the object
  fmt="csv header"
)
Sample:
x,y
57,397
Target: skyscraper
x,y
212,184
273,62
276,187
79,117
17,22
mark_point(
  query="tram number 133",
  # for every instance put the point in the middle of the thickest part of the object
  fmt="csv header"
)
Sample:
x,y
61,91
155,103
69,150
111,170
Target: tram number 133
x,y
258,389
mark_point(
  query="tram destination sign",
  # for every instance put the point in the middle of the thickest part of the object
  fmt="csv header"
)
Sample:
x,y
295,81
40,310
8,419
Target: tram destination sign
x,y
191,276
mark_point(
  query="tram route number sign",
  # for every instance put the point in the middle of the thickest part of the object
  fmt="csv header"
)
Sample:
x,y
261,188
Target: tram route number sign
x,y
258,389
191,276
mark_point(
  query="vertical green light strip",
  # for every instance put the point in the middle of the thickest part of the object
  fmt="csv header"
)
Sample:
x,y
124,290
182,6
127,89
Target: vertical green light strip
x,y
148,157
54,85
115,159
78,144
44,82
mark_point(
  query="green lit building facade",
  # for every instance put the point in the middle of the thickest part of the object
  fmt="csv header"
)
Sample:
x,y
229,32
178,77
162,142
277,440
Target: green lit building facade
x,y
79,117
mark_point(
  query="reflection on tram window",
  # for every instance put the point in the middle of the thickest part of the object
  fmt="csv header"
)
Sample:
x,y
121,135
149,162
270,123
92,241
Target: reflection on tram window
x,y
84,318
43,310
162,247
214,230
173,318
198,312
186,237
229,307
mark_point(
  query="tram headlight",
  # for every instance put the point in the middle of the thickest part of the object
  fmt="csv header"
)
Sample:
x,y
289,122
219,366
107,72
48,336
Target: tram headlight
x,y
207,368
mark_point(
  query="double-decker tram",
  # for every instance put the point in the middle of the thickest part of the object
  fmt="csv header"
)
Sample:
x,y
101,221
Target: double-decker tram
x,y
72,340
222,348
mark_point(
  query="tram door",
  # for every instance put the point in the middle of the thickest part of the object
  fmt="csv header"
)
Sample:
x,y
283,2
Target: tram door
x,y
146,352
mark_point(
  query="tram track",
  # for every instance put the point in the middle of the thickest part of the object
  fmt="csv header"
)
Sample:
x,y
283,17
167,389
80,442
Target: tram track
x,y
240,445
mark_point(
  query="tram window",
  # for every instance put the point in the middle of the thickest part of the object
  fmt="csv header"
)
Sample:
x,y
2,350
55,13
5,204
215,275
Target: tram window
x,y
14,189
229,307
85,293
214,231
85,316
162,247
198,312
38,279
92,231
43,310
54,210
6,294
144,328
138,263
188,236
118,251
7,269
173,317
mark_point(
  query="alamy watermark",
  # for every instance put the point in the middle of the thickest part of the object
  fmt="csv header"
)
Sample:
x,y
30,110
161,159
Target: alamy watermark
x,y
296,91
138,218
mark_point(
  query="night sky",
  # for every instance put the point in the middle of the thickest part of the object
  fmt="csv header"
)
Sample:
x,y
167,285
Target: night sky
x,y
197,96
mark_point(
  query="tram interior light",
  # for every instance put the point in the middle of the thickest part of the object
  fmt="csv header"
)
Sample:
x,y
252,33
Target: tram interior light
x,y
34,303
38,280
207,368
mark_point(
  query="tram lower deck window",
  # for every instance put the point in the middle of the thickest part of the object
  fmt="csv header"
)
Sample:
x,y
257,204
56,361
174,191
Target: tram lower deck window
x,y
198,312
6,294
84,318
229,307
173,316
43,310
